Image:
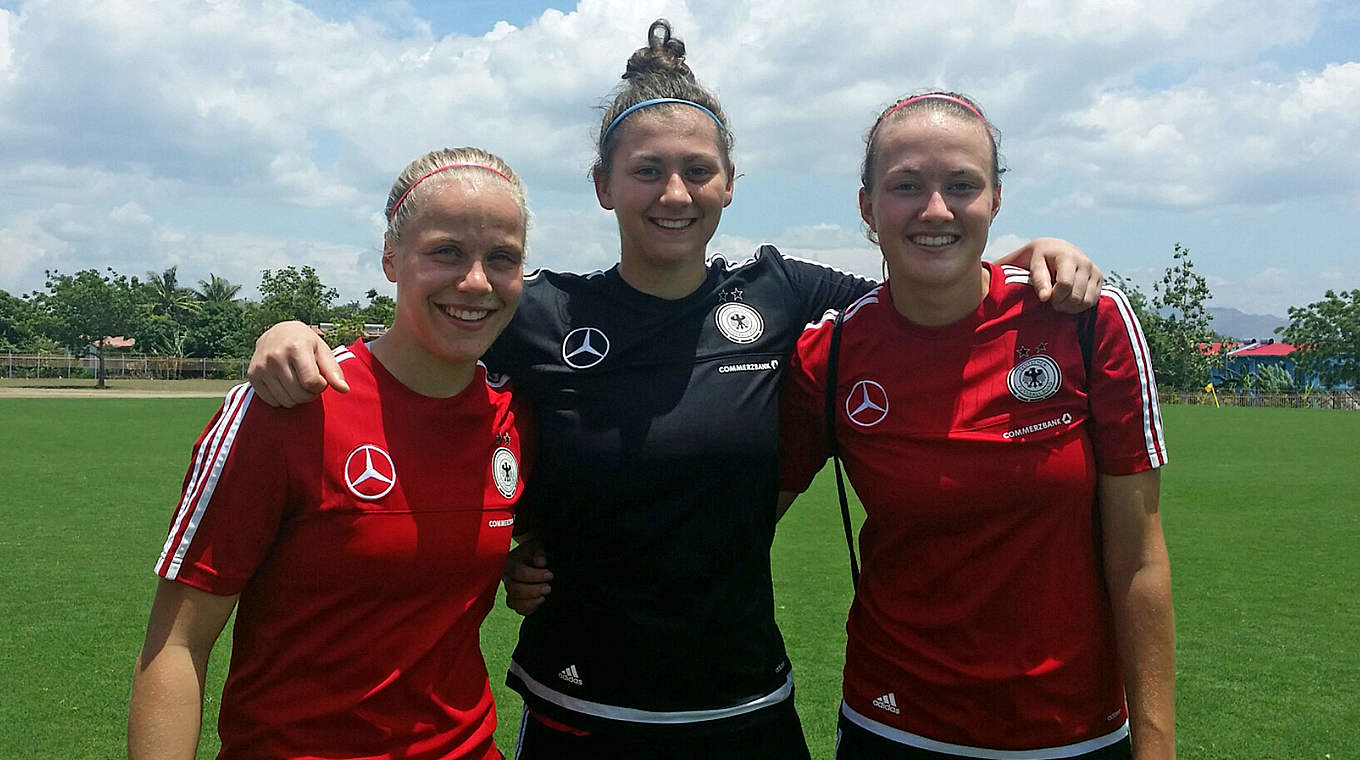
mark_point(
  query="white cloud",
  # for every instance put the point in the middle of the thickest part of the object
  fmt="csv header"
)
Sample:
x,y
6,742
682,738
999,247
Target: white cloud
x,y
835,246
1246,142
235,134
127,239
305,184
7,23
130,213
28,251
1000,245
573,240
242,257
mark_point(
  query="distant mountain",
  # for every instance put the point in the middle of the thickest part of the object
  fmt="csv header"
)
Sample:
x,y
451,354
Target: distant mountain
x,y
1243,326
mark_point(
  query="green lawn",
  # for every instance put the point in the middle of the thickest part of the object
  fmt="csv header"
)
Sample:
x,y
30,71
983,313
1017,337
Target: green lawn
x,y
1262,512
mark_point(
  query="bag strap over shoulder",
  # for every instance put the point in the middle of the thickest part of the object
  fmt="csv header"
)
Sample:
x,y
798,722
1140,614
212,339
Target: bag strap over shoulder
x,y
832,361
1086,339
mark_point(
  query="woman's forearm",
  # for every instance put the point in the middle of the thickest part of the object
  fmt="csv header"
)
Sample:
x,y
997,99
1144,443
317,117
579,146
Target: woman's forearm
x,y
1138,576
166,707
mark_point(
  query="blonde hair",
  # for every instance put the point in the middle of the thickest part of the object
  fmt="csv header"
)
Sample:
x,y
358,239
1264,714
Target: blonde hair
x,y
402,200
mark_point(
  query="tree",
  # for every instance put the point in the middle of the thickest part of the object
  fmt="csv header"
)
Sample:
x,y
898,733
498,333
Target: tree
x,y
345,330
213,332
1326,334
217,289
1176,323
22,323
1271,378
381,309
162,335
88,308
290,293
348,321
1183,325
347,310
165,297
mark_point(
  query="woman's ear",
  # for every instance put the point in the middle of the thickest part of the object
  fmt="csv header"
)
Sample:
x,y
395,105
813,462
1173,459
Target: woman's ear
x,y
389,263
602,193
866,209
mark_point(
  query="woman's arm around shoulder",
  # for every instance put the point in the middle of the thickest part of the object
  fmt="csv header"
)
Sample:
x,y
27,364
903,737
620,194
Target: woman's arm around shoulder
x,y
1059,272
292,365
1138,577
803,444
167,687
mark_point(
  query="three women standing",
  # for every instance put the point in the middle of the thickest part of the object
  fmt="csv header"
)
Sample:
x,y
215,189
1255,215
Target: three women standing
x,y
655,385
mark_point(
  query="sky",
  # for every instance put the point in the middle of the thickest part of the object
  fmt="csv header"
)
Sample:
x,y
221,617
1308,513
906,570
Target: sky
x,y
233,136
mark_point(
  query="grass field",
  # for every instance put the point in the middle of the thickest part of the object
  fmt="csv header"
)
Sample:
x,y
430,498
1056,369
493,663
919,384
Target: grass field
x,y
1262,512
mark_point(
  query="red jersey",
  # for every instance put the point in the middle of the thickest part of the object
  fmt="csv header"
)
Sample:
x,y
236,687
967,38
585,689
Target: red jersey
x,y
366,534
981,621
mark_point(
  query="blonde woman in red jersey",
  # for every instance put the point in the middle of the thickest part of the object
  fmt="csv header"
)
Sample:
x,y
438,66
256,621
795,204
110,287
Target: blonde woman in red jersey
x,y
359,570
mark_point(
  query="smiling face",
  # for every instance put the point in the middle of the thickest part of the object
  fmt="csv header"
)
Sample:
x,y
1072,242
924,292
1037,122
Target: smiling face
x,y
667,185
458,266
932,200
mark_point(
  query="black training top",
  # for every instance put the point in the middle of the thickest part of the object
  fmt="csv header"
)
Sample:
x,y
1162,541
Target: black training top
x,y
655,489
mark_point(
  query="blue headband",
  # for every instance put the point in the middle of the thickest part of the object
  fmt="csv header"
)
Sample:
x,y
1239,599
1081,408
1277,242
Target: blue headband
x,y
655,102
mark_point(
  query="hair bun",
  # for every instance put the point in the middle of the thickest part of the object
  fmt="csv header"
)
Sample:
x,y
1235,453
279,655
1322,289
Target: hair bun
x,y
664,55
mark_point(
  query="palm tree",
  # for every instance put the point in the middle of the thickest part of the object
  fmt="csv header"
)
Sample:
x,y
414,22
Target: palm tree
x,y
167,297
217,289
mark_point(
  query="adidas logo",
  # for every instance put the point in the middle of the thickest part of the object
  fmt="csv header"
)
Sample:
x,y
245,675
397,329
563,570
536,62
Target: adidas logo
x,y
888,702
570,675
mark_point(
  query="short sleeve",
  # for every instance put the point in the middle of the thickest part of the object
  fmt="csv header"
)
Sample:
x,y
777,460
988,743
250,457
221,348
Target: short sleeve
x,y
802,410
1127,421
822,287
233,497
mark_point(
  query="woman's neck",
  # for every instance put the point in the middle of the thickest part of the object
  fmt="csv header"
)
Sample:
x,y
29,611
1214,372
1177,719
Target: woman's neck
x,y
671,283
418,369
935,305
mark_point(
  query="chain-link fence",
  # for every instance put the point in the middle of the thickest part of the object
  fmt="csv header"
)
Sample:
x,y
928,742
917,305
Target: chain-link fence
x,y
1313,399
119,365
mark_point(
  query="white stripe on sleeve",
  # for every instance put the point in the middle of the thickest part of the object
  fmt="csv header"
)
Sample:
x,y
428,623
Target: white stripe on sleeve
x,y
207,469
1152,416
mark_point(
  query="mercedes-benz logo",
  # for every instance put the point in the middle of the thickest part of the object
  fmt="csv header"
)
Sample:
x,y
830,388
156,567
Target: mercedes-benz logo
x,y
584,347
867,403
372,475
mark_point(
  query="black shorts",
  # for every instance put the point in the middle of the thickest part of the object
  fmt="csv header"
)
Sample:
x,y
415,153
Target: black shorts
x,y
779,738
856,743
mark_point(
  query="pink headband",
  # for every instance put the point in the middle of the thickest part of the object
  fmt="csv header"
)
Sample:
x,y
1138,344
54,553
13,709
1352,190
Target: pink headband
x,y
427,175
931,96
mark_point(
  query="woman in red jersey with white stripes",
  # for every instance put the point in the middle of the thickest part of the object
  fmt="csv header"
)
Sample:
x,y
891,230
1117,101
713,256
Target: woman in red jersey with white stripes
x,y
1015,601
360,571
